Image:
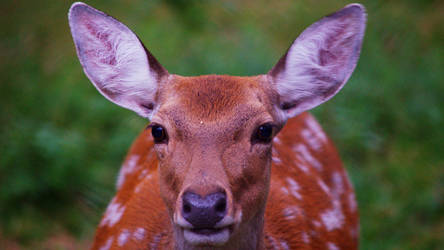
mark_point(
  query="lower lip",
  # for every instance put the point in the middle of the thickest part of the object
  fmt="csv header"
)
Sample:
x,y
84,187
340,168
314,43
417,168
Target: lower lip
x,y
215,237
206,231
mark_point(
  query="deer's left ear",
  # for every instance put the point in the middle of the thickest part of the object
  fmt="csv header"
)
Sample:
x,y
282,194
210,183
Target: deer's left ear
x,y
320,61
115,61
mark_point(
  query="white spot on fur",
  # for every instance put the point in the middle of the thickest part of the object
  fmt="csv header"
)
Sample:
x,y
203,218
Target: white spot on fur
x,y
303,167
294,188
317,223
138,187
276,160
139,234
123,237
112,214
323,186
274,152
302,164
305,237
333,218
306,156
316,128
352,201
314,142
290,213
332,246
284,245
128,168
284,190
156,240
273,242
143,173
277,140
274,156
107,244
338,184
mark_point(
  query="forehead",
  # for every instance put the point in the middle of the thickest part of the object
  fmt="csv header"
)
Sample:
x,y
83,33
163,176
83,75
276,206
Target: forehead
x,y
213,97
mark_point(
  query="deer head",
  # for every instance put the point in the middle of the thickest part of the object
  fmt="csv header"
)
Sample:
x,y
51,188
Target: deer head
x,y
213,134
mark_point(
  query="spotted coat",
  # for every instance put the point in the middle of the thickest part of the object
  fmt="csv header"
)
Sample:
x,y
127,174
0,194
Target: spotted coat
x,y
311,204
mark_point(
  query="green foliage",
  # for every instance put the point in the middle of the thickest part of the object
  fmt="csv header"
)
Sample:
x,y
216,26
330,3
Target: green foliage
x,y
61,143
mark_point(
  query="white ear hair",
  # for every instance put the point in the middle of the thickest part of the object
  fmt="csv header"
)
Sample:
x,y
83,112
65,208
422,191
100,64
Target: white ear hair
x,y
320,61
115,60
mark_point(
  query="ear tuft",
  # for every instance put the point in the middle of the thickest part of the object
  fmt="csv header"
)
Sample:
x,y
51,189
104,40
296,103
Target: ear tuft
x,y
320,60
115,60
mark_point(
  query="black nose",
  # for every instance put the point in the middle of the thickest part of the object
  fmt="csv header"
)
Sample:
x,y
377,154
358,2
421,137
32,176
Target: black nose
x,y
204,212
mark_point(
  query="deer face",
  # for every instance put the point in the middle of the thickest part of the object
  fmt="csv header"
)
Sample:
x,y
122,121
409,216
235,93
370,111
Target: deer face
x,y
214,149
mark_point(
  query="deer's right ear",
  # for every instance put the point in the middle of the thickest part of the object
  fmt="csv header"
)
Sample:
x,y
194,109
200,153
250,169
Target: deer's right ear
x,y
115,60
320,61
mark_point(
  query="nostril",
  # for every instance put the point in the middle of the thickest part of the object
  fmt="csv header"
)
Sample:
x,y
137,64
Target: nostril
x,y
221,206
186,208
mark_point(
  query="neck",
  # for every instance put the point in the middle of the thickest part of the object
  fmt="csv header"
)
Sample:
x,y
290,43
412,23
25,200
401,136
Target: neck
x,y
247,236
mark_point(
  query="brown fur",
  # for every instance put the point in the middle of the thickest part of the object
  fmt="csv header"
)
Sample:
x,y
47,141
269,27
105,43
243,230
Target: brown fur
x,y
210,126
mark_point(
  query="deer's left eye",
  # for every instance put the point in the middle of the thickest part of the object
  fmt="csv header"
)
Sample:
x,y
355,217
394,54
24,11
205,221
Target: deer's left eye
x,y
159,134
263,134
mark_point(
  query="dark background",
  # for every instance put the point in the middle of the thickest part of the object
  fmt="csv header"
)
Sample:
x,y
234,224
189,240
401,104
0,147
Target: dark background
x,y
62,143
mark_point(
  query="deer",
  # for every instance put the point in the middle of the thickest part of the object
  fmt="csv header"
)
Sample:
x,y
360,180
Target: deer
x,y
226,162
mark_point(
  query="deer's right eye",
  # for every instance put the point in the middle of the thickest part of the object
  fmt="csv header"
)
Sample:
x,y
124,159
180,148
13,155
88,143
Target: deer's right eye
x,y
263,134
159,134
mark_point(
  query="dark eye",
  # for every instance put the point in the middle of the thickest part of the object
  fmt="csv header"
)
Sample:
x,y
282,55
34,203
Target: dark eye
x,y
159,134
263,133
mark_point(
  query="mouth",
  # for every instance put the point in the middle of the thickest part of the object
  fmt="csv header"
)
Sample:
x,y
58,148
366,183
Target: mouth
x,y
207,236
217,235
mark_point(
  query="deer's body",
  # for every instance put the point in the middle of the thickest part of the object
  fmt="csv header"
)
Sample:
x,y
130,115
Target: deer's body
x,y
226,165
311,204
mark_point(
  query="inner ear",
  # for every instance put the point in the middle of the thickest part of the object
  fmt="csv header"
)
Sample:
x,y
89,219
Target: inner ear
x,y
320,61
115,60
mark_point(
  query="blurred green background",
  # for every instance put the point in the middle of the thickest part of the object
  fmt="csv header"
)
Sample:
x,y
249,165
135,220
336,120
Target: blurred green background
x,y
62,143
